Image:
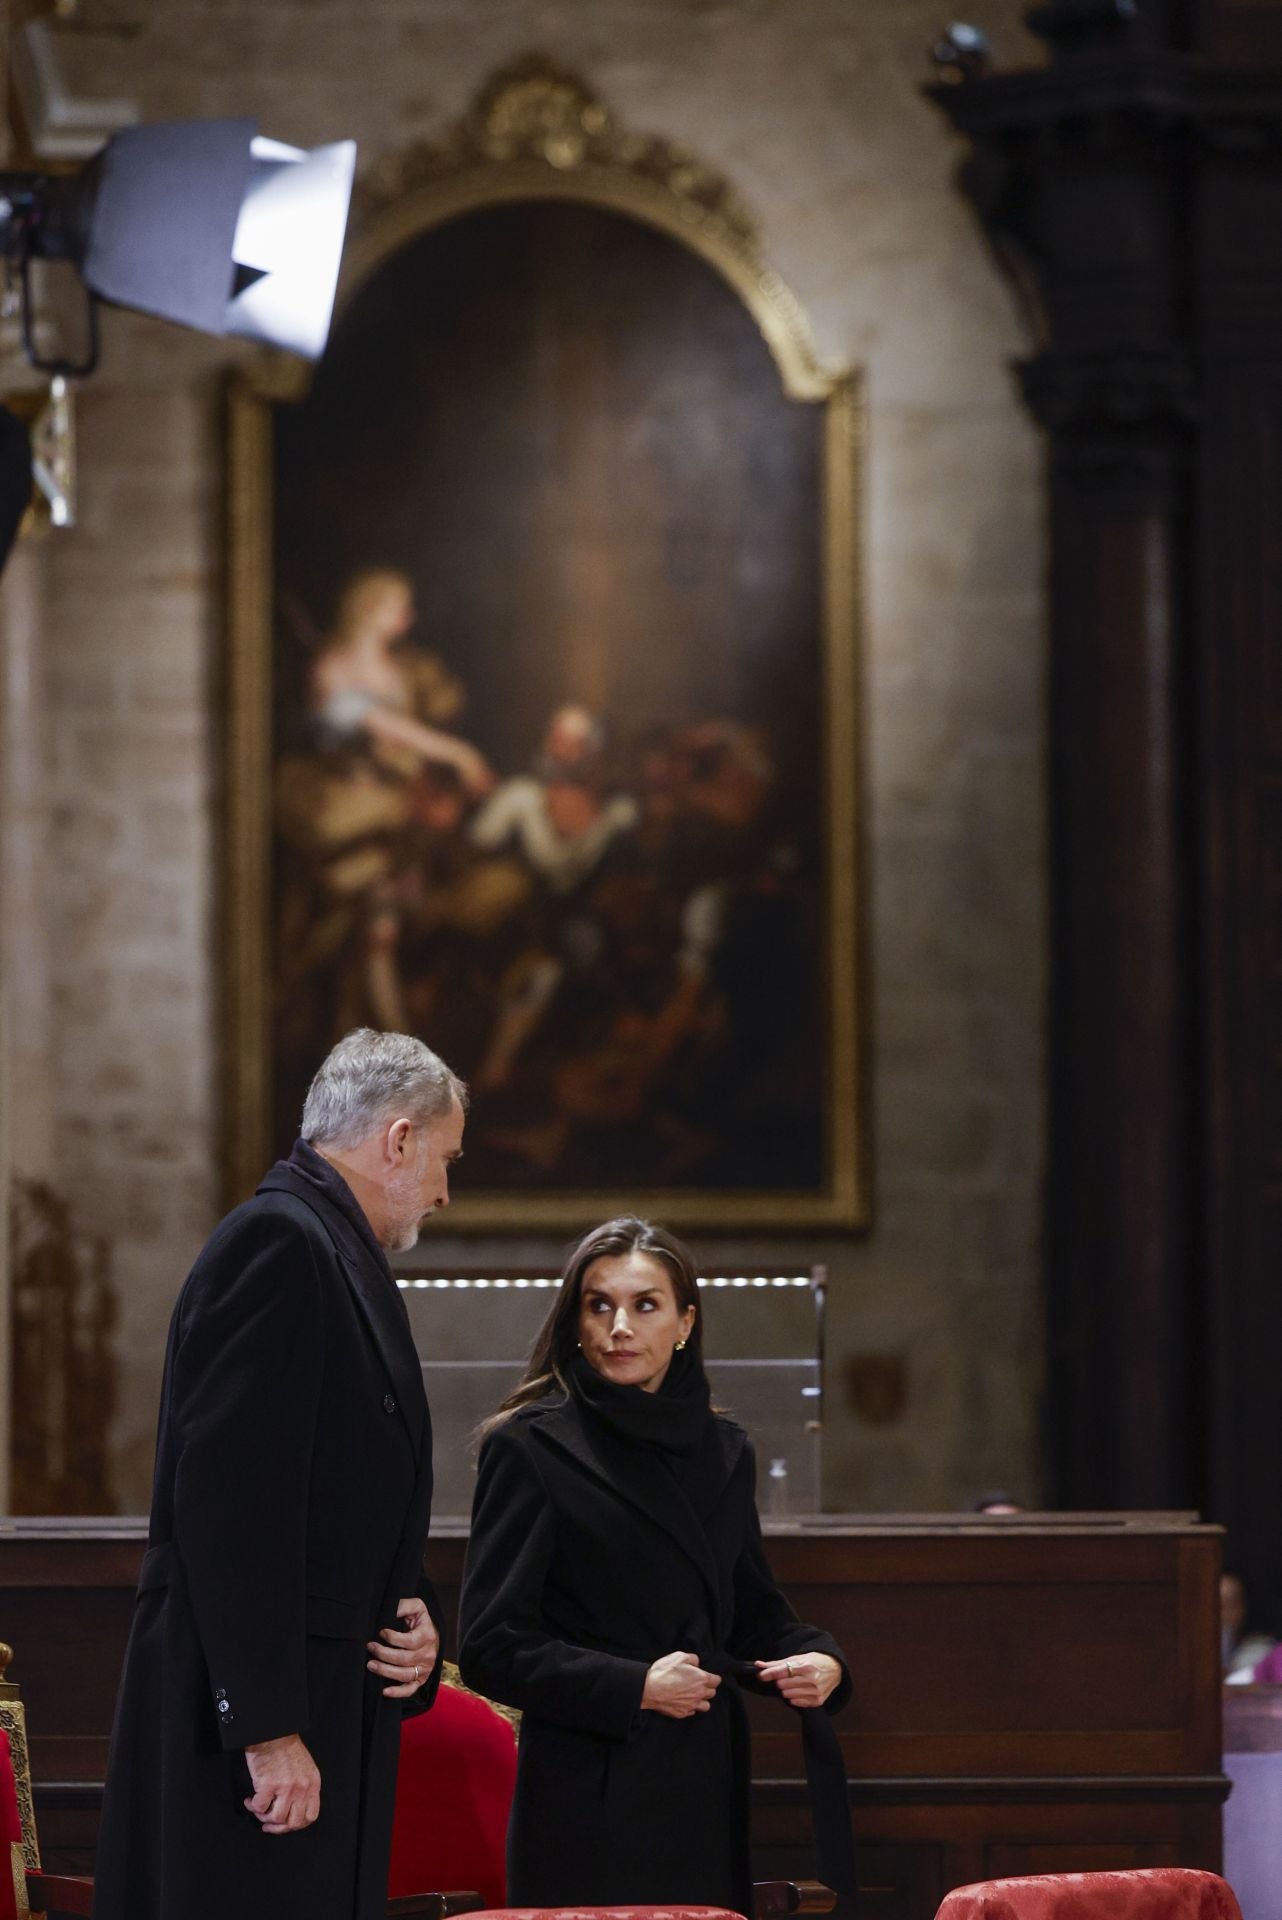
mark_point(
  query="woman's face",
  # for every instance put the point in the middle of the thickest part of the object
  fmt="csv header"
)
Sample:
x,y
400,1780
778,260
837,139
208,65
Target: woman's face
x,y
629,1321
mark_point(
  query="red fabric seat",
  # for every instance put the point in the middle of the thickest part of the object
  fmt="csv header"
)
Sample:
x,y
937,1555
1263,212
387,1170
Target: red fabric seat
x,y
606,1913
10,1829
1150,1893
453,1793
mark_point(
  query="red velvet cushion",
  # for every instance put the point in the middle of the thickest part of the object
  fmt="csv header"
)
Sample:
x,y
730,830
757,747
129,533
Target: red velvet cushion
x,y
605,1913
10,1829
453,1792
1153,1893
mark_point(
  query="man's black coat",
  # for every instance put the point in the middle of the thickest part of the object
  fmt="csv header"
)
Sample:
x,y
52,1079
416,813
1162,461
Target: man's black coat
x,y
289,1516
586,1564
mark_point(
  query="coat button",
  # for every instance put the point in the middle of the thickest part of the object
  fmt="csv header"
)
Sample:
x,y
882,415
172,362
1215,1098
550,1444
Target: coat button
x,y
223,1707
389,1404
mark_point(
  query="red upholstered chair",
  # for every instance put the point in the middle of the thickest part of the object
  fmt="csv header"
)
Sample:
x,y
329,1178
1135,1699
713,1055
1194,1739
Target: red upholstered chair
x,y
773,1899
453,1793
14,1870
1150,1893
24,1888
605,1913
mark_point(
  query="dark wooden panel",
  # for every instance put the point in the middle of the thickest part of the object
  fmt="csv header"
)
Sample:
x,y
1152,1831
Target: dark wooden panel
x,y
1243,31
970,1642
1068,1856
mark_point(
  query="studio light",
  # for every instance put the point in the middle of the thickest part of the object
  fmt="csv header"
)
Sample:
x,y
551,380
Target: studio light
x,y
203,222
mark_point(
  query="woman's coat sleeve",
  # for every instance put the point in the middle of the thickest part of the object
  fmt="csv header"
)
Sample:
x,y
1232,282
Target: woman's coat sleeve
x,y
765,1626
505,1648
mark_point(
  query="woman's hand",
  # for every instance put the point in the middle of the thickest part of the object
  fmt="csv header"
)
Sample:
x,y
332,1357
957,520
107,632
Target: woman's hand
x,y
678,1686
804,1679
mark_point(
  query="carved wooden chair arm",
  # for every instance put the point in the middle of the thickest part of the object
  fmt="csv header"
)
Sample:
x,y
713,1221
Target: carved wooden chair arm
x,y
779,1899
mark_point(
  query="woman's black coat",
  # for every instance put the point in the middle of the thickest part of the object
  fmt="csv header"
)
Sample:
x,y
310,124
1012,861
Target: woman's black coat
x,y
586,1564
290,1512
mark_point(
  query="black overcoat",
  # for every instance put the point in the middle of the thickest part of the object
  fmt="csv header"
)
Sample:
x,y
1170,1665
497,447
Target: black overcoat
x,y
586,1564
289,1516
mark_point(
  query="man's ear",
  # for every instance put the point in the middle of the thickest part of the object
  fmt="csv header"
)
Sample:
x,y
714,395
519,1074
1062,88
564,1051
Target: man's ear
x,y
397,1143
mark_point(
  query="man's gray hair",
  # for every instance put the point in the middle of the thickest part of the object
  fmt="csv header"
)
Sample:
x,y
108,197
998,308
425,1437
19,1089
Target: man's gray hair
x,y
370,1079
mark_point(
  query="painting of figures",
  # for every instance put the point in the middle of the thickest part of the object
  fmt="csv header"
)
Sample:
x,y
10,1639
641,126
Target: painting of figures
x,y
549,763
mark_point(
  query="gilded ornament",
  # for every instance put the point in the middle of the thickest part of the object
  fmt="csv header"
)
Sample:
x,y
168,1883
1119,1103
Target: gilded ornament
x,y
535,132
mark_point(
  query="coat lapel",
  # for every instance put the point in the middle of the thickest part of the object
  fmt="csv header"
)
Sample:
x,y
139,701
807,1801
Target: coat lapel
x,y
379,1301
627,1472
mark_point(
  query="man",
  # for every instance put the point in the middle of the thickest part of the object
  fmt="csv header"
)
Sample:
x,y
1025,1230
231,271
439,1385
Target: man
x,y
283,1622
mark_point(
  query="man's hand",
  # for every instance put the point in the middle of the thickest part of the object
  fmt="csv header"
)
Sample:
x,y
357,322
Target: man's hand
x,y
805,1680
679,1687
406,1657
286,1783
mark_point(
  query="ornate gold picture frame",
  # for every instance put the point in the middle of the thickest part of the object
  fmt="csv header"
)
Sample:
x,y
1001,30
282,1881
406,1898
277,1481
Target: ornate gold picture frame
x,y
537,141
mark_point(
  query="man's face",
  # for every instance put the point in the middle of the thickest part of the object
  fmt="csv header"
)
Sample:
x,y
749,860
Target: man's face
x,y
421,1183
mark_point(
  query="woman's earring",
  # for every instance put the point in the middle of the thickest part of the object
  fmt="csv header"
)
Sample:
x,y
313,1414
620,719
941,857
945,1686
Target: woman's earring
x,y
680,1344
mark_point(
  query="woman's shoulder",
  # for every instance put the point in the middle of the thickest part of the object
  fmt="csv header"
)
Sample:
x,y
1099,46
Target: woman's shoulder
x,y
730,1429
736,1441
555,1400
515,1429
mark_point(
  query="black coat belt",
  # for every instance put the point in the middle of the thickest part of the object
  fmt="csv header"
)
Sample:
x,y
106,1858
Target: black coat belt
x,y
825,1784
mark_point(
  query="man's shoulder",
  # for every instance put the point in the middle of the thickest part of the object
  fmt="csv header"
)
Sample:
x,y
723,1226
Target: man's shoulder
x,y
273,1220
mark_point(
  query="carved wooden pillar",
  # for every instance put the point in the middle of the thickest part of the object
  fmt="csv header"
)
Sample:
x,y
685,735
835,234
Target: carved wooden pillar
x,y
1134,190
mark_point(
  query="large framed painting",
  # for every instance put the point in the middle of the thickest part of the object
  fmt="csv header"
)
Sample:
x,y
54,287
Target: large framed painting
x,y
542,736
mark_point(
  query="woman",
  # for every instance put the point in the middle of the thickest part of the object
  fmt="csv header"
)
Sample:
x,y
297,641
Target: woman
x,y
377,762
617,1592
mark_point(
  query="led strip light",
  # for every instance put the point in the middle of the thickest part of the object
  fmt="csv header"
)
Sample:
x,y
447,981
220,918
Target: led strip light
x,y
421,1283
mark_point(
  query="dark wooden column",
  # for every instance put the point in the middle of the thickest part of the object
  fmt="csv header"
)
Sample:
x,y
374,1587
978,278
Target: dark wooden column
x,y
1133,191
1076,173
1238,216
1121,1207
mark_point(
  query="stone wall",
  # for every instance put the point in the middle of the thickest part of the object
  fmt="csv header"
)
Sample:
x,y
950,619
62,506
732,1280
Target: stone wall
x,y
812,109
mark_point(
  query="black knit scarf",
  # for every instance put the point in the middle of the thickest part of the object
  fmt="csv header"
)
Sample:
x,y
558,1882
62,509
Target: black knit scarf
x,y
675,1424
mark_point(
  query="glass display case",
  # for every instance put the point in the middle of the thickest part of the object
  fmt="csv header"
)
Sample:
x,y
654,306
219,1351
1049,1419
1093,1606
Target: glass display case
x,y
763,1344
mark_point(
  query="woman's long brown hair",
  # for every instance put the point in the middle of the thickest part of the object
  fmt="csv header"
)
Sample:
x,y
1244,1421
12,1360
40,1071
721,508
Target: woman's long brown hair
x,y
558,1337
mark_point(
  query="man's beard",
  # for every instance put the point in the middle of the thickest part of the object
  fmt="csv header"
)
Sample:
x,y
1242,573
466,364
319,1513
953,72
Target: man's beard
x,y
404,1220
406,1238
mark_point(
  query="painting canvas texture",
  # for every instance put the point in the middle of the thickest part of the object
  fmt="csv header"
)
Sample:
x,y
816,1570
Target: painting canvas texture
x,y
548,783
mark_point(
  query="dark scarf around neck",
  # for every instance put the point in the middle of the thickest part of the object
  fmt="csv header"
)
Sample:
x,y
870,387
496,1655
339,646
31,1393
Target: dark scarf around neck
x,y
307,1164
675,1419
675,1425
